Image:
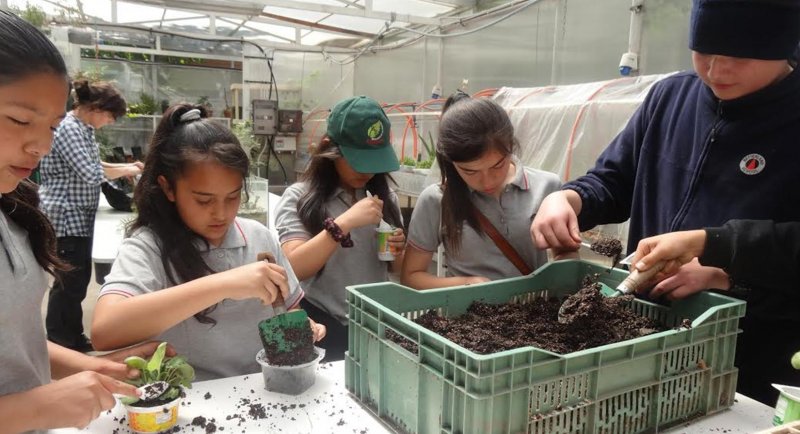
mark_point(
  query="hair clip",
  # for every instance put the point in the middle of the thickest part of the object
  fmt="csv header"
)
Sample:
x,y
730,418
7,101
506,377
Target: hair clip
x,y
191,115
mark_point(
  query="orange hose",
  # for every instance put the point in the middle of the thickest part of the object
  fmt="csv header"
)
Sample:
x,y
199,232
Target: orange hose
x,y
485,92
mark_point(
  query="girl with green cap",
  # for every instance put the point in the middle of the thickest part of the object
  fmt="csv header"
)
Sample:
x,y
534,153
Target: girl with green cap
x,y
327,221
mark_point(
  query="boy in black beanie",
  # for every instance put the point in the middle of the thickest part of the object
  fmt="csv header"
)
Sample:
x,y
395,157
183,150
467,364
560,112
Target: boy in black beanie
x,y
705,147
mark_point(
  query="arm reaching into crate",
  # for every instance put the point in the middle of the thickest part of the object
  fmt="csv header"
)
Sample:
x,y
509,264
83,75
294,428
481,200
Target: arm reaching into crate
x,y
747,250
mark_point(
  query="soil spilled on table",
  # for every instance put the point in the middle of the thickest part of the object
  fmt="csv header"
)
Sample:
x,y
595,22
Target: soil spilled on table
x,y
487,328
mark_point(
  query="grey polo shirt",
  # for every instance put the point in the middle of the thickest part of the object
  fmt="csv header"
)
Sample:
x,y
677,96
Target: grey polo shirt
x,y
24,362
347,266
228,348
511,214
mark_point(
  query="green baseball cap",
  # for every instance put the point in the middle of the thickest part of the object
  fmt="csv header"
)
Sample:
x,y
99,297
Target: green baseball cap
x,y
361,129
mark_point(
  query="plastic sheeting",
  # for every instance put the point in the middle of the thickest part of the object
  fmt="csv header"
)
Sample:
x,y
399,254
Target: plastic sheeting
x,y
563,129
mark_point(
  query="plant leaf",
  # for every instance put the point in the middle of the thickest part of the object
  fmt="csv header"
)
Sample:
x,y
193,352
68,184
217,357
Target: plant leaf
x,y
154,365
136,362
128,400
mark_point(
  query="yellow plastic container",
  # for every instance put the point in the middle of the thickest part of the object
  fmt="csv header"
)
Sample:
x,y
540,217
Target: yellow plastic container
x,y
153,419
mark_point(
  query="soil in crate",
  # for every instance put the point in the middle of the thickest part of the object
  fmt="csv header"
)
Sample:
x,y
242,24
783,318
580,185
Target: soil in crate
x,y
487,328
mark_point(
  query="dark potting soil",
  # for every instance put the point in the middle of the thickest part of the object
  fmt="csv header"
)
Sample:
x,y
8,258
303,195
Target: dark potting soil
x,y
301,339
610,247
487,328
155,402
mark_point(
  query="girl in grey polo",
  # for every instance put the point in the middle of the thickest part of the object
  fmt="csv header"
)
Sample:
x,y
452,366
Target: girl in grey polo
x,y
327,223
188,274
41,386
479,173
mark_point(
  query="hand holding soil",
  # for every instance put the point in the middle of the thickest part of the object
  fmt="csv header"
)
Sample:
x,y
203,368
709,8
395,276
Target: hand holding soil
x,y
555,225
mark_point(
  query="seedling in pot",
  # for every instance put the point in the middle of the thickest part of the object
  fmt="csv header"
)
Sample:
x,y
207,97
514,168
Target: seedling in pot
x,y
155,373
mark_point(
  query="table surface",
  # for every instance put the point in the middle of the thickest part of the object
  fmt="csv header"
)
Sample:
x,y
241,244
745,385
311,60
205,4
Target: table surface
x,y
328,407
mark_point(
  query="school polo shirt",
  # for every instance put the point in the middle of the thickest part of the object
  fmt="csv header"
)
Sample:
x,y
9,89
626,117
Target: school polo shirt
x,y
511,214
347,266
24,363
227,348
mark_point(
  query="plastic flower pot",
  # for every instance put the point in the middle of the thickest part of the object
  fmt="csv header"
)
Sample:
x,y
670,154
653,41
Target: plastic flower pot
x,y
153,419
289,380
787,409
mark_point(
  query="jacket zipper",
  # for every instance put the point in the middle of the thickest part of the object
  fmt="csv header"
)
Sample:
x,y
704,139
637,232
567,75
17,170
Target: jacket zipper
x,y
687,201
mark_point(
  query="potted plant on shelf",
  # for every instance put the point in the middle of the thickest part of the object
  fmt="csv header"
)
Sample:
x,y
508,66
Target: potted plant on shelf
x,y
159,412
407,164
424,166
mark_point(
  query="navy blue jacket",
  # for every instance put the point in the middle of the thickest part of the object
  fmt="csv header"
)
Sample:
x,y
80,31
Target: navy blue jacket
x,y
686,160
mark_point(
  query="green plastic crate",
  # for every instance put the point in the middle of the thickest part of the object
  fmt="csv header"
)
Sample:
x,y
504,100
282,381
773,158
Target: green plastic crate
x,y
639,385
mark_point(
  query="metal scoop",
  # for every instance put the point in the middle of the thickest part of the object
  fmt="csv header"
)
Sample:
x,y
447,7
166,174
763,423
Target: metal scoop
x,y
151,391
631,283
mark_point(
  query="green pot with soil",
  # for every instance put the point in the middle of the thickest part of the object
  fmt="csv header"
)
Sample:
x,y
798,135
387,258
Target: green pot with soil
x,y
289,359
158,412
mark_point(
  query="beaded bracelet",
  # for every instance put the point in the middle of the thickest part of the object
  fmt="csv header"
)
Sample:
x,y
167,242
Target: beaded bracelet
x,y
336,233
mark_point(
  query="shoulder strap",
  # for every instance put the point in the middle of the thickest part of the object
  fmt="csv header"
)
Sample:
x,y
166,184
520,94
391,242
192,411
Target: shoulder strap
x,y
508,250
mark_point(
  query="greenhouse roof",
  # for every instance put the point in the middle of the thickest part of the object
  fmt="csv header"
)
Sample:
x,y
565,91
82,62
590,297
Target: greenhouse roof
x,y
317,25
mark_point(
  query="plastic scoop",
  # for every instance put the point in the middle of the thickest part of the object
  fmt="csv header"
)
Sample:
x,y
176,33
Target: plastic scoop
x,y
151,391
285,331
382,226
631,283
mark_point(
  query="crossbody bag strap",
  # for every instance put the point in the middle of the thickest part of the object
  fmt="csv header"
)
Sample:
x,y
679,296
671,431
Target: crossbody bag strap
x,y
508,250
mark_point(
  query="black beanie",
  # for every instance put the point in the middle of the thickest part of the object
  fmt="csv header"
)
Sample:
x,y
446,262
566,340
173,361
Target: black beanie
x,y
752,29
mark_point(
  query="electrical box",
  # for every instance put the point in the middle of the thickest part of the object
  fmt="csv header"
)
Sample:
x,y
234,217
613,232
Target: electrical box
x,y
265,117
285,143
290,121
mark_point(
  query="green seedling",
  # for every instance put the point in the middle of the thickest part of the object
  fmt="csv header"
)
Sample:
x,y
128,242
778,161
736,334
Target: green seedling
x,y
175,371
408,161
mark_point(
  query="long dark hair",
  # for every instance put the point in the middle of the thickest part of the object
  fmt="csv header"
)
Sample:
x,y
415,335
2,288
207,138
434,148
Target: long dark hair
x,y
99,95
323,179
25,51
175,146
467,131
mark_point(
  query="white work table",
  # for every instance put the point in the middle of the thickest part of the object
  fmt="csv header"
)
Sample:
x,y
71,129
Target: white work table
x,y
327,407
109,229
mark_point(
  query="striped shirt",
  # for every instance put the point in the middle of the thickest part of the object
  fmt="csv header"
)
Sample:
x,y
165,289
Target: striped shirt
x,y
71,177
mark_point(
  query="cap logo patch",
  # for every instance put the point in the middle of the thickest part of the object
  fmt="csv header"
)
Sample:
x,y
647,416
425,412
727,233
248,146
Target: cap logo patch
x,y
752,164
375,133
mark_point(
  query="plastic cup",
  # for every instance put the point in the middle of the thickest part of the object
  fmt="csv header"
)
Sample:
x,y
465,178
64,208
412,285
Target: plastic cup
x,y
156,419
289,380
384,251
787,409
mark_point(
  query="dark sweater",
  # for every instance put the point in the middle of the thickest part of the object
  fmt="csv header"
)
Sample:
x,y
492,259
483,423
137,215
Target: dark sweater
x,y
686,160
